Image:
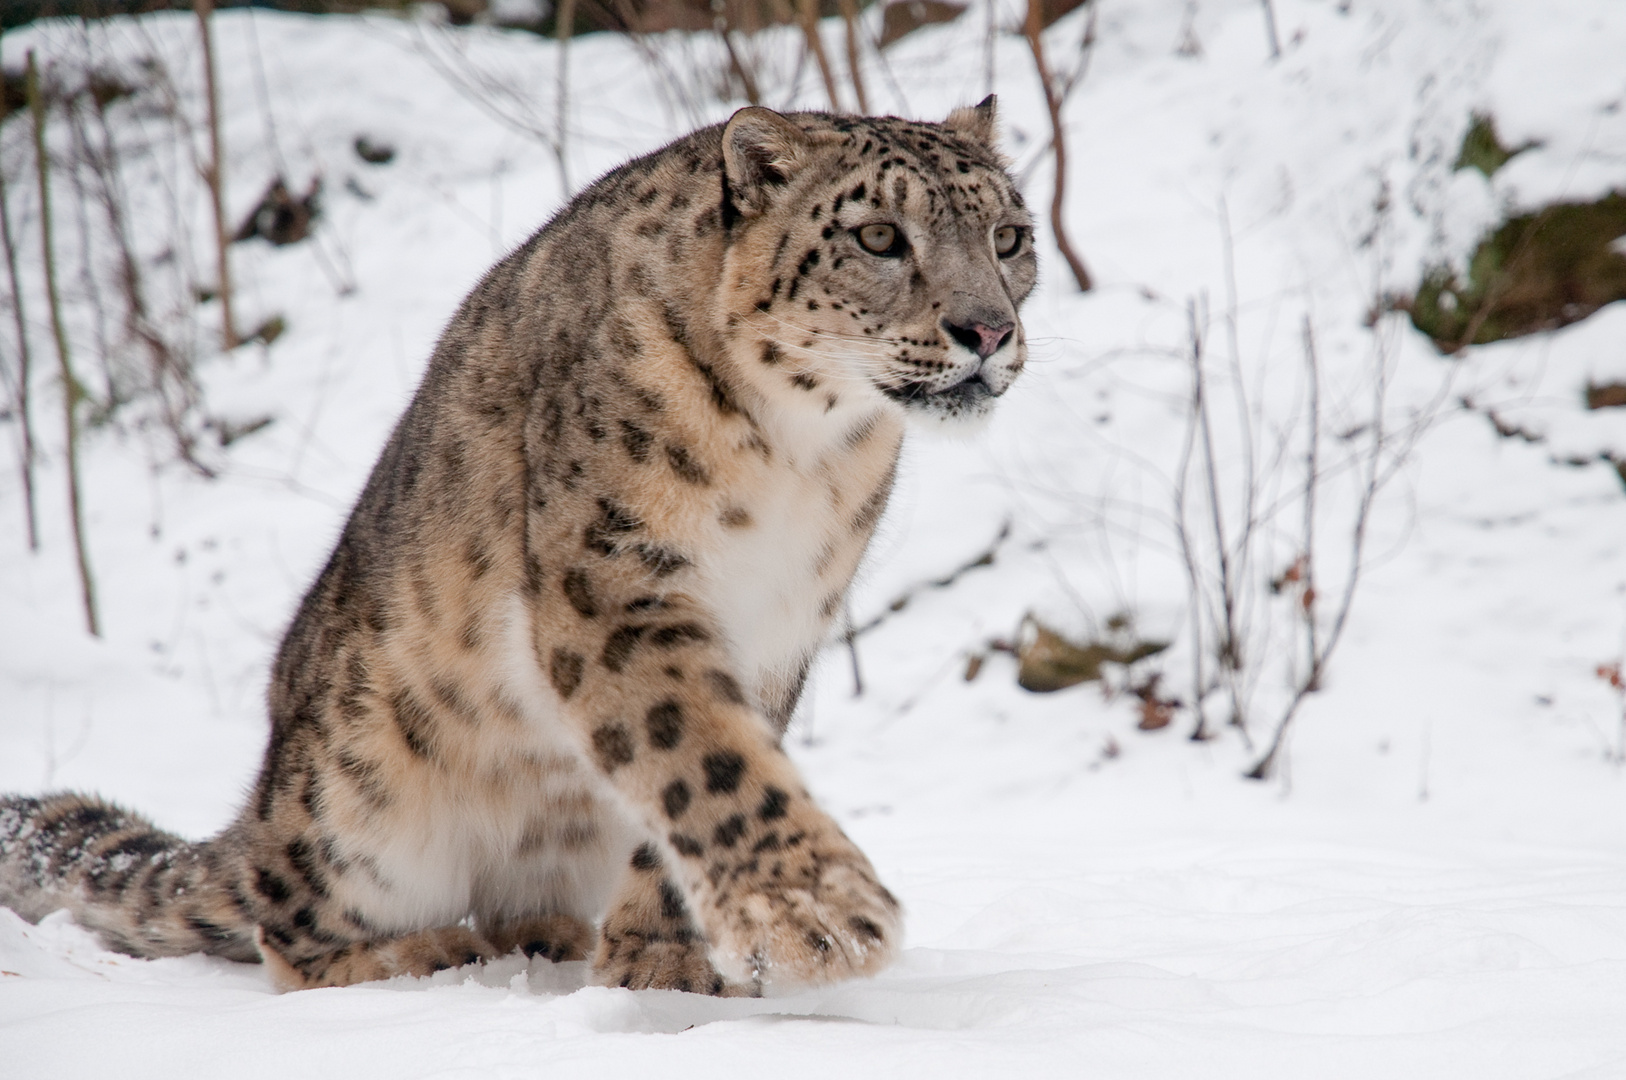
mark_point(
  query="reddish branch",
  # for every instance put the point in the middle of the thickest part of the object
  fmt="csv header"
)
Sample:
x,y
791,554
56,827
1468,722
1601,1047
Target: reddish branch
x,y
1033,30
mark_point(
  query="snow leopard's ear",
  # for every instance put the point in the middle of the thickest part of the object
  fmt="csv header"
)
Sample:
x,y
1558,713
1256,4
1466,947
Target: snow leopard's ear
x,y
761,151
977,123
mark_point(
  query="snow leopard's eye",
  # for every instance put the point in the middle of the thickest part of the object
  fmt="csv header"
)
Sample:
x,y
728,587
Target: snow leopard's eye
x,y
1007,241
883,240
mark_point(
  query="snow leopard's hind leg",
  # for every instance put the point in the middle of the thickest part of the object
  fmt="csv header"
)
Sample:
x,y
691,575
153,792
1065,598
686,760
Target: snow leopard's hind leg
x,y
553,937
144,891
422,953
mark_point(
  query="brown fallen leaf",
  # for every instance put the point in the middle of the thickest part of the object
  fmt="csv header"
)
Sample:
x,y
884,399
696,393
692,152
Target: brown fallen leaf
x,y
1155,712
1606,396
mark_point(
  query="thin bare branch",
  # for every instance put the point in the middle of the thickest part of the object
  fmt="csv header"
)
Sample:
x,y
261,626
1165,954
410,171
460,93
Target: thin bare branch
x,y
1270,30
564,27
22,405
737,64
1086,49
1188,554
849,15
214,174
71,391
171,378
1033,30
903,599
1312,472
1371,483
809,12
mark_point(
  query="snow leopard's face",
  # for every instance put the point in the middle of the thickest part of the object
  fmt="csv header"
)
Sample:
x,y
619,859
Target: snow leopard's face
x,y
896,255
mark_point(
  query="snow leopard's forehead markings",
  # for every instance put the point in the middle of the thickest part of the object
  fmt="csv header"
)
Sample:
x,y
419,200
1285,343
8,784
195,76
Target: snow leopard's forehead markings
x,y
957,179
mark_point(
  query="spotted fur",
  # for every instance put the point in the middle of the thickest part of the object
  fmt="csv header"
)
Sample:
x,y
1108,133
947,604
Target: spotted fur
x,y
541,683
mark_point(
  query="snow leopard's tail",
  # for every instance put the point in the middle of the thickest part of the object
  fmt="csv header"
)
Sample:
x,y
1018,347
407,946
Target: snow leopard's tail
x,y
146,892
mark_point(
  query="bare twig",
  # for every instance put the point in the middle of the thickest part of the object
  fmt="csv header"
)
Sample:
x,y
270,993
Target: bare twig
x,y
498,98
71,391
892,82
171,377
809,12
1312,469
1291,465
736,64
849,636
564,28
21,403
674,88
852,632
1243,542
214,173
1229,651
990,36
118,391
1371,481
849,15
1033,29
262,90
1086,50
902,600
1188,548
1270,30
1614,674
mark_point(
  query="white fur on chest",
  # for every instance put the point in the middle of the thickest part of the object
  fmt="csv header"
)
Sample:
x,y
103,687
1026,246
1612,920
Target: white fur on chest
x,y
763,585
770,583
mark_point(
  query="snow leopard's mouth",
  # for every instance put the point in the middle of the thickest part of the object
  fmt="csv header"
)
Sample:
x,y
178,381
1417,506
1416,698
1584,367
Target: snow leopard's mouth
x,y
971,396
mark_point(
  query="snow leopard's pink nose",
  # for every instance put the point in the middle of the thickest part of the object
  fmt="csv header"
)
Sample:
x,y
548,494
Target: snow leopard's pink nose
x,y
980,338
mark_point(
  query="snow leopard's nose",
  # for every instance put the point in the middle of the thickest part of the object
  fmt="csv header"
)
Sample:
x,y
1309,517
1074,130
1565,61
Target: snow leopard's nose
x,y
980,338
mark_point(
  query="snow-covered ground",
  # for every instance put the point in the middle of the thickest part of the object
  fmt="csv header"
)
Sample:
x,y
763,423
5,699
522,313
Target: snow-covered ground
x,y
1433,885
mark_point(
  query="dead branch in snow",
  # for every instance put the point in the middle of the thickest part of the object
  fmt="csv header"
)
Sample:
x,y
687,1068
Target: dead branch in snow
x,y
898,603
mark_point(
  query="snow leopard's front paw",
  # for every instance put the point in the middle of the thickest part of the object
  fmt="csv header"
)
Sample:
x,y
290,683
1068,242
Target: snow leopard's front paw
x,y
649,942
803,911
637,962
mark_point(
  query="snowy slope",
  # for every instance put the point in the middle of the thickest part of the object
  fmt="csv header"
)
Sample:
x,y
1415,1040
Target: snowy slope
x,y
1434,886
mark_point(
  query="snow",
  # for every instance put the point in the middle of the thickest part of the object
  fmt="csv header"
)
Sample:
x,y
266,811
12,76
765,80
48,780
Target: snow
x,y
1434,885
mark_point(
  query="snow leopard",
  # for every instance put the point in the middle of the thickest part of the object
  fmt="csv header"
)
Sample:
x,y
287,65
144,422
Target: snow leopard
x,y
536,697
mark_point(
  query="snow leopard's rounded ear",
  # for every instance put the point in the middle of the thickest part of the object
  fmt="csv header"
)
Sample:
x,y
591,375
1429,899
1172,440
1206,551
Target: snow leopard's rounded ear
x,y
761,151
976,123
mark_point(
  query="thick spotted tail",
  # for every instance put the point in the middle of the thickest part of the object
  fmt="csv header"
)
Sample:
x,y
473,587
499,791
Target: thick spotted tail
x,y
146,892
